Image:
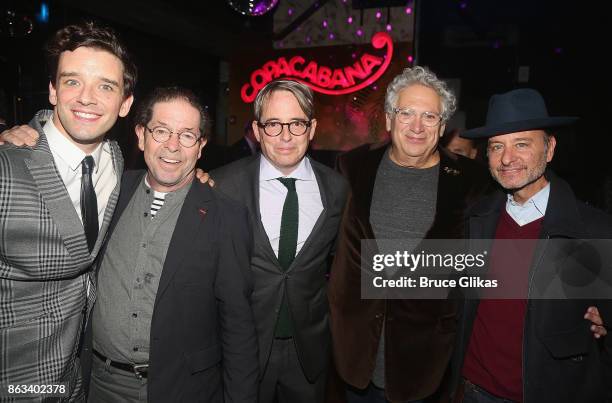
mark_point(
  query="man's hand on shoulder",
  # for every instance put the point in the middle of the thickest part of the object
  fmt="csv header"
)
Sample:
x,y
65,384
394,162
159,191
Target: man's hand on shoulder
x,y
204,177
20,136
598,327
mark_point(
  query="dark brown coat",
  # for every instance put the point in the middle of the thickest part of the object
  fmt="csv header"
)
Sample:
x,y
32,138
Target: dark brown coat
x,y
419,334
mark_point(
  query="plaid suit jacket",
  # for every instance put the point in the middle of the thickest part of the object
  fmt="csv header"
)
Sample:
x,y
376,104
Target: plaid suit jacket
x,y
45,267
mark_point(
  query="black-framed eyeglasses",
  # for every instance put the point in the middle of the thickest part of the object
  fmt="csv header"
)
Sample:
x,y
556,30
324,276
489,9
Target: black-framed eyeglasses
x,y
162,134
407,115
296,127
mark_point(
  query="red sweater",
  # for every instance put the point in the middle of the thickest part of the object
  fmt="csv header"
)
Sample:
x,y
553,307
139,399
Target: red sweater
x,y
494,359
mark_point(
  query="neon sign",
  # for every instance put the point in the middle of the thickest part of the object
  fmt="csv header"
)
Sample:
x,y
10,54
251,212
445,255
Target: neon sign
x,y
323,79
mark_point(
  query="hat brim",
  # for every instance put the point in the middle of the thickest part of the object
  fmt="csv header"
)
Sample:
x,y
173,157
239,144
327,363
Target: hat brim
x,y
520,126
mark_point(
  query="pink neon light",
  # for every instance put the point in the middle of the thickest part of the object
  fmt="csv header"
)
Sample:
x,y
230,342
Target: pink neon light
x,y
379,41
259,77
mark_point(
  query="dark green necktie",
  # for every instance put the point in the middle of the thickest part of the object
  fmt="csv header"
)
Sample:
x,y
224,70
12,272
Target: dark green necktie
x,y
287,245
289,225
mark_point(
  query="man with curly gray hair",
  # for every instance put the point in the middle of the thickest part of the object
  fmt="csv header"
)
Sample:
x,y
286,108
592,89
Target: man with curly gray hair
x,y
409,189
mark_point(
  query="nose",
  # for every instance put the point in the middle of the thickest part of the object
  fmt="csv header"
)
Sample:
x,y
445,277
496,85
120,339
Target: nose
x,y
416,124
286,135
86,96
507,156
173,143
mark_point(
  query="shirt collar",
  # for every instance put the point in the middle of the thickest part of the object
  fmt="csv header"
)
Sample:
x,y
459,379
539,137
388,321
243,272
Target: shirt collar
x,y
536,203
268,172
68,151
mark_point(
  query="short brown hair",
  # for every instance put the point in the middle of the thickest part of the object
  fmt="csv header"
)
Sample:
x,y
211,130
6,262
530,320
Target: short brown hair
x,y
300,91
144,112
91,35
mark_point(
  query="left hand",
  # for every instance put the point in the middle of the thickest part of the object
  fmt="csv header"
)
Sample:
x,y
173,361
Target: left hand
x,y
204,177
598,328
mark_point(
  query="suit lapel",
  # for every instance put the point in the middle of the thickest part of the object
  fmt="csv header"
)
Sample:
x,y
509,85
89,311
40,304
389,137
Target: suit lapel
x,y
187,234
252,203
114,196
325,200
56,198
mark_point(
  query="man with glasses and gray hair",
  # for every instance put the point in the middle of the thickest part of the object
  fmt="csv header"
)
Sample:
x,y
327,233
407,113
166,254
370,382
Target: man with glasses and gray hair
x,y
295,206
410,189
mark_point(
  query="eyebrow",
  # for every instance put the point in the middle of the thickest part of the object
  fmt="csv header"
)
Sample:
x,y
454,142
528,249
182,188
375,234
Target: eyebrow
x,y
75,74
161,123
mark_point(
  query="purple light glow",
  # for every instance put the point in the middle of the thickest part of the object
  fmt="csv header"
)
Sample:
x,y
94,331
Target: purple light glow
x,y
463,5
349,20
354,55
388,27
324,23
290,11
308,39
359,32
378,15
331,35
410,59
558,51
408,10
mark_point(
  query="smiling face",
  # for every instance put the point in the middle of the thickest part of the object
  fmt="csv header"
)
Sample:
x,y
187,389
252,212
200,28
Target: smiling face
x,y
414,144
170,164
284,151
88,96
518,161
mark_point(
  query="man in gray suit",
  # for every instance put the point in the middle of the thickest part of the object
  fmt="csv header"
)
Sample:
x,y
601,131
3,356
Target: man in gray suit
x,y
295,206
56,201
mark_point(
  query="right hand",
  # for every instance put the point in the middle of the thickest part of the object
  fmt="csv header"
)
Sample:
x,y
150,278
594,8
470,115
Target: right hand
x,y
22,135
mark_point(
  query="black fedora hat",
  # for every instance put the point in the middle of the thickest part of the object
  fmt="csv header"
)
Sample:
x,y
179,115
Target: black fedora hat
x,y
516,111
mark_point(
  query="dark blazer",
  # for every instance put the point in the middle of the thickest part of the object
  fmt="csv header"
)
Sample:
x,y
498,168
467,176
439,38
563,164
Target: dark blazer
x,y
562,361
305,281
419,335
203,341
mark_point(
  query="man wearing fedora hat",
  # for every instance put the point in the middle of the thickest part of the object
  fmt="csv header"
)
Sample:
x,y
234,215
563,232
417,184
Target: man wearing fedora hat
x,y
526,348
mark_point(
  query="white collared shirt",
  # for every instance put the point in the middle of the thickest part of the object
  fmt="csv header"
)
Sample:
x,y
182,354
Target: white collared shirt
x,y
68,158
531,210
272,195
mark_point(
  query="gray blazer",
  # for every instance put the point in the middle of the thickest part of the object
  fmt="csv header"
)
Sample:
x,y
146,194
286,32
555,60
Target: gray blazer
x,y
305,281
44,266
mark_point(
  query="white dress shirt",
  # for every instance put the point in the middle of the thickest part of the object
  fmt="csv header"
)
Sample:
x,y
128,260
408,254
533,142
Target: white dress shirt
x,y
272,195
68,158
531,210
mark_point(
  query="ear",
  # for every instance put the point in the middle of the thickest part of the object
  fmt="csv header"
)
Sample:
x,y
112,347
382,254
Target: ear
x,y
442,130
256,131
201,145
552,143
388,119
140,133
313,127
125,106
52,94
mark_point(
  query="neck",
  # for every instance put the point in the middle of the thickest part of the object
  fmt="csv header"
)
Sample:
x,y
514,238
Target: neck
x,y
528,191
421,162
87,148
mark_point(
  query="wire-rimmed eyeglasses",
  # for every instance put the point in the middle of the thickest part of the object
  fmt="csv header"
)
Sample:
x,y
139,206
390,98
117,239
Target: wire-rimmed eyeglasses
x,y
407,115
162,134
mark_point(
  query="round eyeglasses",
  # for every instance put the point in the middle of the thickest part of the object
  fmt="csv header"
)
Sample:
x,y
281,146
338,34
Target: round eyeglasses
x,y
408,115
162,134
296,128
